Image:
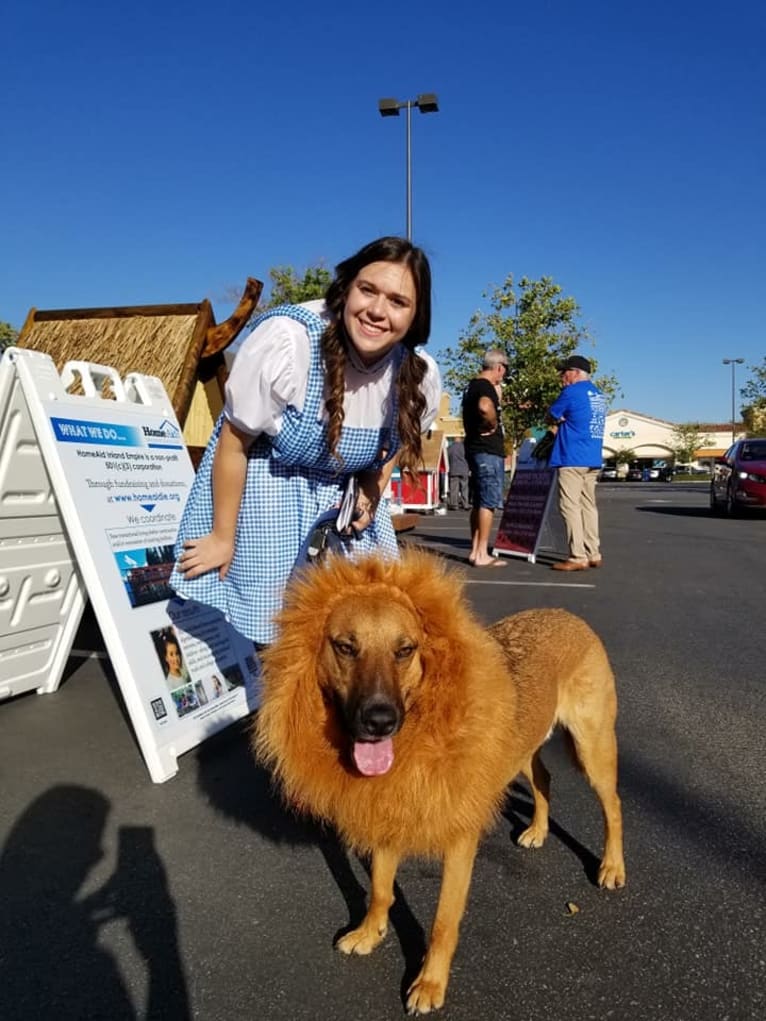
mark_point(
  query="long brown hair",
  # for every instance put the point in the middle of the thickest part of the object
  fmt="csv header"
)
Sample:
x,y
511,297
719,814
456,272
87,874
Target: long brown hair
x,y
412,371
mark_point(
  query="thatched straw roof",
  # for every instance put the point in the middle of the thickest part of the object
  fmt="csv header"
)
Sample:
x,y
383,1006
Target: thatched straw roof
x,y
181,344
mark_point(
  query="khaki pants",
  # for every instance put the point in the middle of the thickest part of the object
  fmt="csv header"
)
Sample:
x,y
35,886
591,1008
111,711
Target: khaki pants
x,y
577,503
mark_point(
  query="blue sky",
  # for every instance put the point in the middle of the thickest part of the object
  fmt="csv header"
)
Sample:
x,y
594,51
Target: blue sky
x,y
162,152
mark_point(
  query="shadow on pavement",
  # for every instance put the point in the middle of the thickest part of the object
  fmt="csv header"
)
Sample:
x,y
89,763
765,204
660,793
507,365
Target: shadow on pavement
x,y
675,512
516,807
53,960
242,790
461,546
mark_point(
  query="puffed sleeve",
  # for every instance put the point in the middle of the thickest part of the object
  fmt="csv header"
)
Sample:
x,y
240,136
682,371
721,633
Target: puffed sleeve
x,y
270,371
432,391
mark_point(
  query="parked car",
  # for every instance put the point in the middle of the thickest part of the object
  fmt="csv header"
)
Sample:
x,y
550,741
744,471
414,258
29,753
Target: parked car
x,y
608,474
739,478
655,473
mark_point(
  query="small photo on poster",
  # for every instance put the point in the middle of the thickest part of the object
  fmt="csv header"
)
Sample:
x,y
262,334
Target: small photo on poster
x,y
216,686
232,676
171,658
185,699
145,573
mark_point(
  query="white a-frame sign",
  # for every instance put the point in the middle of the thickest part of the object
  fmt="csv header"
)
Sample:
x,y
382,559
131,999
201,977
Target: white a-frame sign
x,y
92,489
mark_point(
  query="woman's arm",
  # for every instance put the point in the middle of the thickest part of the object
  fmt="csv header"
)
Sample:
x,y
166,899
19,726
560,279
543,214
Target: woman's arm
x,y
372,486
216,549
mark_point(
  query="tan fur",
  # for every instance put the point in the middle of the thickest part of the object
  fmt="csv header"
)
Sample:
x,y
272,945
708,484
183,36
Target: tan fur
x,y
477,704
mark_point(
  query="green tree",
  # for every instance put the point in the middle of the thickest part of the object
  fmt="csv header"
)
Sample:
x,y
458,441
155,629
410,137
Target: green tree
x,y
753,393
7,335
288,287
536,327
686,439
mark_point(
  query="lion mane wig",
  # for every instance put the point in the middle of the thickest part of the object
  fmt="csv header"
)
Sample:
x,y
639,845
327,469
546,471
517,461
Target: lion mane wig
x,y
454,750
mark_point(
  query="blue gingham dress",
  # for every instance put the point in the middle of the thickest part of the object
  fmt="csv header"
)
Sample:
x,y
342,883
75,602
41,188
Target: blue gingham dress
x,y
291,480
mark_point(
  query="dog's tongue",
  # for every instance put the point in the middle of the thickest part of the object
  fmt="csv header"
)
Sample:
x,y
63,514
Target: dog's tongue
x,y
373,758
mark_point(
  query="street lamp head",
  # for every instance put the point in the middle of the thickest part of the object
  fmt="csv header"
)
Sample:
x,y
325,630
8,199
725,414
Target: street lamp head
x,y
388,107
427,102
733,361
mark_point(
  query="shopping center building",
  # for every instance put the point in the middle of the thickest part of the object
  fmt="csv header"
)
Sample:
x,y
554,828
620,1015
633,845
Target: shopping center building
x,y
633,438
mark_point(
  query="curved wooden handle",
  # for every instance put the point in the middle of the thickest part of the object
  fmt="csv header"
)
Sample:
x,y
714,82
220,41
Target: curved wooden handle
x,y
219,337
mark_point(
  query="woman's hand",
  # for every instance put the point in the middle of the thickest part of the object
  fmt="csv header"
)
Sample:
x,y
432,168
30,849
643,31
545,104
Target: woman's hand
x,y
367,501
205,554
363,517
372,487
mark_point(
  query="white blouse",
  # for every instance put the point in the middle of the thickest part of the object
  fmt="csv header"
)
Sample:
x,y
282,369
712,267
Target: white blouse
x,y
270,370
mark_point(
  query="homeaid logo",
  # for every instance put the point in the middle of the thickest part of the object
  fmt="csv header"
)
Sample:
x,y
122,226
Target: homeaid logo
x,y
165,431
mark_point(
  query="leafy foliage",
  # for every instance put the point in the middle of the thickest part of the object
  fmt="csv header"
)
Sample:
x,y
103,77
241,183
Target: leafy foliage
x,y
686,439
7,335
287,287
537,328
754,394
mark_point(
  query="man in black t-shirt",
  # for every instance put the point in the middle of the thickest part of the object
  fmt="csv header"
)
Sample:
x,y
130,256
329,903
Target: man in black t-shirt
x,y
485,453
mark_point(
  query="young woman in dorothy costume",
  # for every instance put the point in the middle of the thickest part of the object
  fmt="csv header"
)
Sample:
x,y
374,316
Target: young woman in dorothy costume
x,y
317,393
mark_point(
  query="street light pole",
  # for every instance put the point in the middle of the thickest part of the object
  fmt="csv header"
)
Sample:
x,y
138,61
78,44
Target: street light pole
x,y
733,362
427,103
409,170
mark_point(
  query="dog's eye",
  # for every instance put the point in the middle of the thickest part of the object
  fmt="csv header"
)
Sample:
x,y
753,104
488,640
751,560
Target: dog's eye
x,y
343,648
404,652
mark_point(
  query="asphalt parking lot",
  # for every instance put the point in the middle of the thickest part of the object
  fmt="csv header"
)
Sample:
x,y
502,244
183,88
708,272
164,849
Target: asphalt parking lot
x,y
201,898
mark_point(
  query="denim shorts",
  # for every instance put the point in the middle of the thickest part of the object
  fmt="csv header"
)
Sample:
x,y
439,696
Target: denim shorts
x,y
487,481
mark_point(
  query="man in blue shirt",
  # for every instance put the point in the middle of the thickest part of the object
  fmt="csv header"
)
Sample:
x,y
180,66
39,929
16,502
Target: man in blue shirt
x,y
578,415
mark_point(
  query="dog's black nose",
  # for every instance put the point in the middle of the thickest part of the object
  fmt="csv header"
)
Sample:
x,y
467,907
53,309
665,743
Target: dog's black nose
x,y
378,718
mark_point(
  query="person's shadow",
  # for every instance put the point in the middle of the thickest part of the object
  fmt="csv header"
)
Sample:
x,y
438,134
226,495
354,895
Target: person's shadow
x,y
52,963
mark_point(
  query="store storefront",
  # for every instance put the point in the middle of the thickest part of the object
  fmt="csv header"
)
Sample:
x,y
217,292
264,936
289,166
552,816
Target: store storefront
x,y
634,439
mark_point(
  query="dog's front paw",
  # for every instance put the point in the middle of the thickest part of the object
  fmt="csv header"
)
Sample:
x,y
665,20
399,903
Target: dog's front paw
x,y
611,874
425,995
533,836
362,940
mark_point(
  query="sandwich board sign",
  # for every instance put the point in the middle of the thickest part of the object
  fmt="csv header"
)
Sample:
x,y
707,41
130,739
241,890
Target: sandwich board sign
x,y
92,488
531,522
